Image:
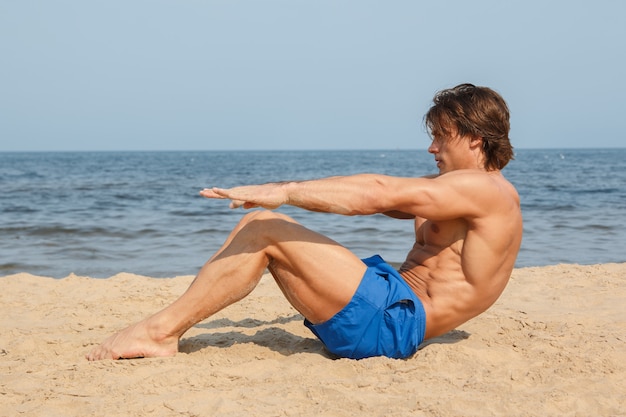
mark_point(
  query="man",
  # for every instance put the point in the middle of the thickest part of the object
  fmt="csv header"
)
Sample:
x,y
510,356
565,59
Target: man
x,y
468,230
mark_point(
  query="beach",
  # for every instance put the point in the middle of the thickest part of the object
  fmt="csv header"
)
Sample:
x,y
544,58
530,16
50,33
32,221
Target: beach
x,y
553,344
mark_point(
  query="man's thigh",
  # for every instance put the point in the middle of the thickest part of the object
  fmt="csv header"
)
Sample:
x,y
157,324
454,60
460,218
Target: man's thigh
x,y
317,275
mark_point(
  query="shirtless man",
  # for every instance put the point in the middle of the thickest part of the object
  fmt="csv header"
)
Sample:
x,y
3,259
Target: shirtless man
x,y
468,230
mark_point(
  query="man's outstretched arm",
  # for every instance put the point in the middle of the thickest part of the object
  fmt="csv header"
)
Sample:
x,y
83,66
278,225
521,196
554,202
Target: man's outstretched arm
x,y
458,194
360,194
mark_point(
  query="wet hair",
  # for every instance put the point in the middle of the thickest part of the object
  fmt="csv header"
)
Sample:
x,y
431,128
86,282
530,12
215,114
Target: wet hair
x,y
476,112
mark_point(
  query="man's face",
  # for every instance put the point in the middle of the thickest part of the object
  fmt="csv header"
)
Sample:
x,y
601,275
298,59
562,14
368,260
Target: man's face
x,y
451,151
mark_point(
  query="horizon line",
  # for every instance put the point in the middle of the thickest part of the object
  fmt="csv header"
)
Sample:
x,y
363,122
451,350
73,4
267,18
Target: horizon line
x,y
282,149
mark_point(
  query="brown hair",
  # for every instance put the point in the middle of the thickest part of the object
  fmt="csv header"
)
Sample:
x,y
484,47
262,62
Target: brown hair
x,y
474,111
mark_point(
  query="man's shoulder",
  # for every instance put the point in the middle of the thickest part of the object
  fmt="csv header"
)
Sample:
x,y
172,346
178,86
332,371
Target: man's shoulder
x,y
482,187
471,177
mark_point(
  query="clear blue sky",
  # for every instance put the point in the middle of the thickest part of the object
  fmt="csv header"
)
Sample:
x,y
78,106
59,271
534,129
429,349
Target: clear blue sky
x,y
289,74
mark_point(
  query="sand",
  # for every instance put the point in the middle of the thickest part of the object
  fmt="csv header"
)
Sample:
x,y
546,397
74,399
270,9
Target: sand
x,y
553,344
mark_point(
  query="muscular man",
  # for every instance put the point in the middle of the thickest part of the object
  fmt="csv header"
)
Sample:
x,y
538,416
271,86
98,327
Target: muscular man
x,y
468,229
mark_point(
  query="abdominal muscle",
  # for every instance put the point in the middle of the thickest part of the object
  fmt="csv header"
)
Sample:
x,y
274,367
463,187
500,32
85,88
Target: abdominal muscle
x,y
434,287
434,271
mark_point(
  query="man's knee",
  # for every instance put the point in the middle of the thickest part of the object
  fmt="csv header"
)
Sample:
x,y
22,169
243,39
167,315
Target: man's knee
x,y
264,223
263,228
259,215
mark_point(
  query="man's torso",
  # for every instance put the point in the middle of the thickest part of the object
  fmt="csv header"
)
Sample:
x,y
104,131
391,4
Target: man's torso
x,y
459,267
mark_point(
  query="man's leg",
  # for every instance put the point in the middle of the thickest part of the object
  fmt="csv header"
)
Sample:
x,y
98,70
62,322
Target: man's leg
x,y
317,276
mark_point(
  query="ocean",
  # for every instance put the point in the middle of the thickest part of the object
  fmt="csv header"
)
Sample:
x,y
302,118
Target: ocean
x,y
101,213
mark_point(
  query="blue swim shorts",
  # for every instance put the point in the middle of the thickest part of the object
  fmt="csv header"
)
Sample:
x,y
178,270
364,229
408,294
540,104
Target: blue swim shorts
x,y
384,317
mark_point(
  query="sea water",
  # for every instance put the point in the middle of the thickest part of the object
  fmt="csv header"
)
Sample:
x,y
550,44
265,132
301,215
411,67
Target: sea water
x,y
100,213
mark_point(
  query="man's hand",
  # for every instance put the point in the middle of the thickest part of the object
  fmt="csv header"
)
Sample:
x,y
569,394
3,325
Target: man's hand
x,y
269,196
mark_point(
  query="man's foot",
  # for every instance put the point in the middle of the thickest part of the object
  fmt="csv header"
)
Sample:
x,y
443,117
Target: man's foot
x,y
136,341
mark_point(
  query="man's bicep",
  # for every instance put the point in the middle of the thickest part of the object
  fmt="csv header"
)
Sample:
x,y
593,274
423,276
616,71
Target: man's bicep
x,y
444,198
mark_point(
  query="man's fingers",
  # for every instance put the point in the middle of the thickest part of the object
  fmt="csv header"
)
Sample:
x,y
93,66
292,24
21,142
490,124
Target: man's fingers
x,y
235,204
221,193
212,193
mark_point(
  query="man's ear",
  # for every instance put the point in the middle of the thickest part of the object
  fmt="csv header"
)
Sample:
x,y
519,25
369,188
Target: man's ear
x,y
476,142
